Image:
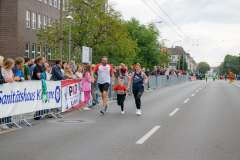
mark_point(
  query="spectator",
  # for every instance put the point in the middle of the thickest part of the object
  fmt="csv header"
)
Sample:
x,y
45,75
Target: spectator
x,y
154,72
5,80
17,68
31,63
123,71
2,79
78,74
56,71
32,69
161,72
147,72
64,64
68,74
118,71
49,75
130,70
7,72
26,69
95,85
72,65
39,68
158,70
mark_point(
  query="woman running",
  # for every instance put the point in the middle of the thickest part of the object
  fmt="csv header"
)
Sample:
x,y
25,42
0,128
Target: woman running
x,y
138,86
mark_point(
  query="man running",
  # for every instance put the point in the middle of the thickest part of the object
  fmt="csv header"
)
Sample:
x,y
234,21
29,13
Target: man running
x,y
206,76
104,70
214,77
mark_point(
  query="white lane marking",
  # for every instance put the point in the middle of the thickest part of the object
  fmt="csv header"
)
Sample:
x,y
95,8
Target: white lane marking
x,y
200,88
236,84
196,90
186,101
175,111
193,95
146,136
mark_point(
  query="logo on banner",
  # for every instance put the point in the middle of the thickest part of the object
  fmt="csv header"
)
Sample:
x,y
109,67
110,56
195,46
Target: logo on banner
x,y
57,94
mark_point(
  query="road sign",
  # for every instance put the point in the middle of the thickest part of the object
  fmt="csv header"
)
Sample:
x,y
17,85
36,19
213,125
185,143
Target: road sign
x,y
86,54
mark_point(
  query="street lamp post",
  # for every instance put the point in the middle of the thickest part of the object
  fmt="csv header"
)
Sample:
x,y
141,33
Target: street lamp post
x,y
172,52
69,54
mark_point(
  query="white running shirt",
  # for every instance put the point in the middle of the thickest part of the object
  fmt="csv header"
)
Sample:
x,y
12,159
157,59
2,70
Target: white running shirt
x,y
103,73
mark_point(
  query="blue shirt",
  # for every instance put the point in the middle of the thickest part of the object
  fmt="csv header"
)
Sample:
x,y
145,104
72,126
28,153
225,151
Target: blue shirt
x,y
137,81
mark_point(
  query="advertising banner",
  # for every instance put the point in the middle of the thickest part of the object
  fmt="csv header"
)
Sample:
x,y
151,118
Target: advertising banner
x,y
71,94
53,95
25,97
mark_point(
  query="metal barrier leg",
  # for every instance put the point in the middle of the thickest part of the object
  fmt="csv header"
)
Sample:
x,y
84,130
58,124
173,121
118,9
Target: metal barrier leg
x,y
17,125
27,122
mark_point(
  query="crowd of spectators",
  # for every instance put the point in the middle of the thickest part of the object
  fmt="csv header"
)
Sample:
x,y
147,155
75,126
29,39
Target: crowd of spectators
x,y
25,69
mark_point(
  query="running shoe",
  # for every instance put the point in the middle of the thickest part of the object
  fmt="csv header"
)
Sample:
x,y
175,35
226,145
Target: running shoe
x,y
103,111
96,101
138,112
106,107
122,112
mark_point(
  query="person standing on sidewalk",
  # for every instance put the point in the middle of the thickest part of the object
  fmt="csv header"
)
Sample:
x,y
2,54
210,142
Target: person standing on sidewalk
x,y
138,86
86,85
104,70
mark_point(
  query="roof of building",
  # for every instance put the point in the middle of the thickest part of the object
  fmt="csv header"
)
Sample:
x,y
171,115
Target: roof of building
x,y
178,50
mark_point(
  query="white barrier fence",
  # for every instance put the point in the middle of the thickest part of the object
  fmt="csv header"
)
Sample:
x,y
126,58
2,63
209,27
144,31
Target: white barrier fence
x,y
22,101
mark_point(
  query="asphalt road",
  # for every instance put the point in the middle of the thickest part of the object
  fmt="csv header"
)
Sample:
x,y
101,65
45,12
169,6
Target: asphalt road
x,y
189,121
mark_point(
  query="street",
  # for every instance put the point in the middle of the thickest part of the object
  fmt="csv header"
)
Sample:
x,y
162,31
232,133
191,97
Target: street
x,y
196,120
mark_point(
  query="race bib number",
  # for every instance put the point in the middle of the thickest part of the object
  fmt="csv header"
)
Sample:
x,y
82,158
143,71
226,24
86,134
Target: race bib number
x,y
120,92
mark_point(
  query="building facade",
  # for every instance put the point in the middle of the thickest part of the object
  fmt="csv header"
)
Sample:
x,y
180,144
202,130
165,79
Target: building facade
x,y
20,21
175,56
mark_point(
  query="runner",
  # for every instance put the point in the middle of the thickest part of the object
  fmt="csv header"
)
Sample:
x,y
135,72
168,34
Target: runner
x,y
121,94
103,69
231,77
138,86
206,76
214,77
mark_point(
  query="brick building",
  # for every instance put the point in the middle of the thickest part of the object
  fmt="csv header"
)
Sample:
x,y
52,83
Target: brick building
x,y
20,21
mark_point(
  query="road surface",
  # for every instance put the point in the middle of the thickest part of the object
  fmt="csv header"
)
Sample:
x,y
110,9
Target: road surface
x,y
190,121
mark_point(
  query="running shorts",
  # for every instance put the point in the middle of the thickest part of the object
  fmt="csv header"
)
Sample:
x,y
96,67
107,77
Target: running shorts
x,y
103,87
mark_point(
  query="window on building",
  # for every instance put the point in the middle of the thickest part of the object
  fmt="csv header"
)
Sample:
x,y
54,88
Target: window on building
x,y
45,22
49,54
34,18
39,50
33,51
50,2
44,51
55,3
45,1
63,5
59,3
50,22
28,19
27,50
39,21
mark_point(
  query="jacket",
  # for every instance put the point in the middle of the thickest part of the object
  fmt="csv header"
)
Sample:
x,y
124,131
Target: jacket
x,y
57,74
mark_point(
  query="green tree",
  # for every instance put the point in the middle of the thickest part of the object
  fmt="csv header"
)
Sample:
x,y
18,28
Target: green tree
x,y
146,37
231,64
181,63
93,27
203,67
165,58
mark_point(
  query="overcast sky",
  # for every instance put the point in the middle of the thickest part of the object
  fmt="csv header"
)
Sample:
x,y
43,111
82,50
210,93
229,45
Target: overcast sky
x,y
213,26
